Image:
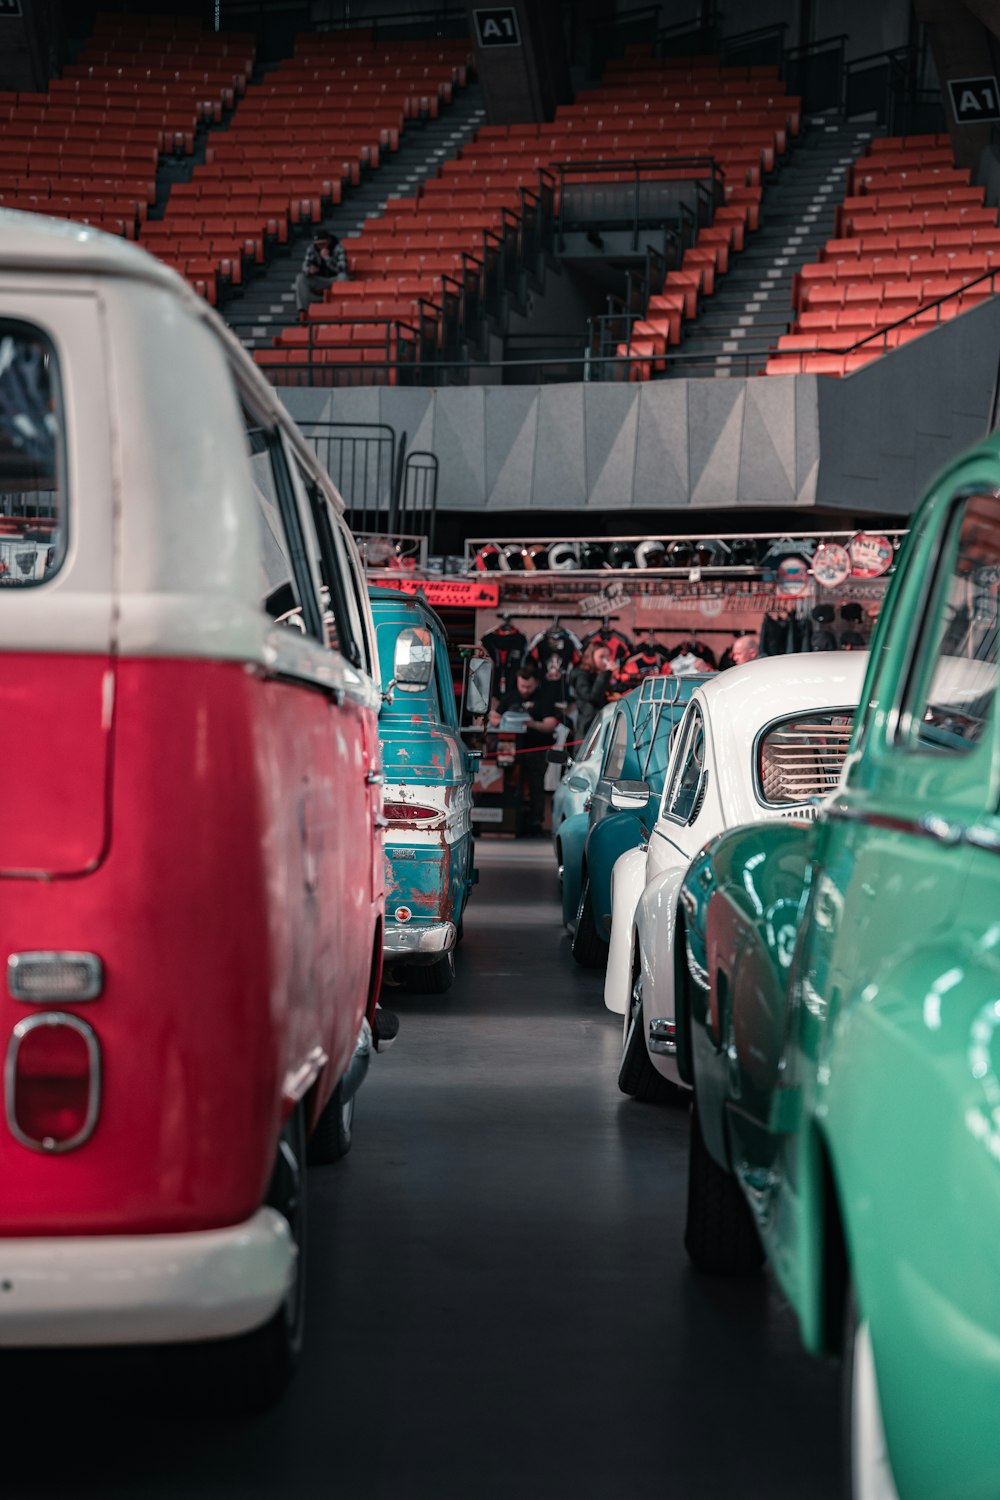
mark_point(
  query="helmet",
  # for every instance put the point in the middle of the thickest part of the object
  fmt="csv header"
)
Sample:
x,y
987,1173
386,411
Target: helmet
x,y
490,559
564,556
592,556
650,555
680,555
621,555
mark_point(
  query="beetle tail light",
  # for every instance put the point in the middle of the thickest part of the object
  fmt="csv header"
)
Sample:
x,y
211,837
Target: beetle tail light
x,y
409,812
52,1081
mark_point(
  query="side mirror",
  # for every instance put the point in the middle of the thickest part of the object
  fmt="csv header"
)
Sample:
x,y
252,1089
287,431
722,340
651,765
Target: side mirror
x,y
413,659
477,687
629,796
558,756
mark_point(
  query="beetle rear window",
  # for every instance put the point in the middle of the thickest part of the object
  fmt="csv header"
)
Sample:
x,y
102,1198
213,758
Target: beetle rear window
x,y
32,490
802,758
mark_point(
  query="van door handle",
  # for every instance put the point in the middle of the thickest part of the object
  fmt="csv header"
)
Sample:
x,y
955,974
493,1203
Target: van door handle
x,y
375,778
379,821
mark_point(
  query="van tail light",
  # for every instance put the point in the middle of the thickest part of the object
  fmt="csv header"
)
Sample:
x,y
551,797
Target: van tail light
x,y
409,812
52,1081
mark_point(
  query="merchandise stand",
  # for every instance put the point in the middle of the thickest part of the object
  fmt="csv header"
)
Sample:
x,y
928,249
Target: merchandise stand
x,y
668,600
792,592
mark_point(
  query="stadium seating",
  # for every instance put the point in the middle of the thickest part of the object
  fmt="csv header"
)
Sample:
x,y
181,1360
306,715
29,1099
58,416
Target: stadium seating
x,y
299,139
740,119
88,149
915,245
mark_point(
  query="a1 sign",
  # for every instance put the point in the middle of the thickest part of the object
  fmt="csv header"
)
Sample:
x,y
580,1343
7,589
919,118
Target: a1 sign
x,y
497,27
974,100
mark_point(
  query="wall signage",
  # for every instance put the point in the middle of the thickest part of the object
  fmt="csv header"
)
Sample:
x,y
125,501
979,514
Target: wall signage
x,y
974,100
473,595
497,27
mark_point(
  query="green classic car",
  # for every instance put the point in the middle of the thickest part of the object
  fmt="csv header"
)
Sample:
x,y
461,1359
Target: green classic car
x,y
838,987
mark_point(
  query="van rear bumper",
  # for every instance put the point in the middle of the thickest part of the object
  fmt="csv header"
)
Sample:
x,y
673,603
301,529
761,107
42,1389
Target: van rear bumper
x,y
144,1288
417,942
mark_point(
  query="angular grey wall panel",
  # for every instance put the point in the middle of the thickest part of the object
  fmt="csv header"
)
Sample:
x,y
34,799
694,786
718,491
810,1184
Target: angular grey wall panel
x,y
460,445
868,443
715,425
766,471
661,449
511,436
806,434
611,417
560,458
887,429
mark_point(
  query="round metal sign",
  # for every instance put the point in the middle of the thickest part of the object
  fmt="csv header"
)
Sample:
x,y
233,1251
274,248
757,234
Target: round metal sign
x,y
831,565
871,554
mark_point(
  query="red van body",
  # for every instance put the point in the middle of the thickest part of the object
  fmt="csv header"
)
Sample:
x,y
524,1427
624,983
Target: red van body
x,y
191,897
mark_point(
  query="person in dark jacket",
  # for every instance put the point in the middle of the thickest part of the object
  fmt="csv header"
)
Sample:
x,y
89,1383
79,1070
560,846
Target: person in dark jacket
x,y
325,262
589,684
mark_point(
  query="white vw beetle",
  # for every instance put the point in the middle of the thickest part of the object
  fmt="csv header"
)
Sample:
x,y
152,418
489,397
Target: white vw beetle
x,y
760,741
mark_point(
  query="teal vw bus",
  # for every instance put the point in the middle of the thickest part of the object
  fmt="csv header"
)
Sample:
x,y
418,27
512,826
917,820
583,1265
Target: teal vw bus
x,y
429,771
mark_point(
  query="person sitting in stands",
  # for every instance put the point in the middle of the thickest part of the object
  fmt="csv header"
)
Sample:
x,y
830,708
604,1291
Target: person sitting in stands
x,y
325,263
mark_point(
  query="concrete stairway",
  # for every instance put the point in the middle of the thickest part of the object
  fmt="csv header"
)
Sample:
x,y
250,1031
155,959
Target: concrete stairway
x,y
267,302
752,307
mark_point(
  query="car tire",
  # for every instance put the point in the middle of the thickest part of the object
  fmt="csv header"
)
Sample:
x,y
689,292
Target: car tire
x,y
637,1076
432,979
334,1133
720,1235
867,1471
248,1374
588,949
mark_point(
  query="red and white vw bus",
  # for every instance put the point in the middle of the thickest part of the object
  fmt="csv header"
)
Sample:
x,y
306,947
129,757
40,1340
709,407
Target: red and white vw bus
x,y
190,864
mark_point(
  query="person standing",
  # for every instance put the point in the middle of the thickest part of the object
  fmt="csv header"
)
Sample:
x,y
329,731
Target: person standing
x,y
538,700
589,684
325,262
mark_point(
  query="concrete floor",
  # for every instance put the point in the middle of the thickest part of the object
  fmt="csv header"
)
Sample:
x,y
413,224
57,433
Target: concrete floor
x,y
500,1303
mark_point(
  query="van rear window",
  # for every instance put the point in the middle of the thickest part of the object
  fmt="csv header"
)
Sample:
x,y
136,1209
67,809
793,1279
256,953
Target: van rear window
x,y
32,489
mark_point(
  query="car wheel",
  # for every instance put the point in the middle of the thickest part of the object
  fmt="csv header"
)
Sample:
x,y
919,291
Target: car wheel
x,y
866,1459
588,949
248,1374
720,1235
432,979
334,1131
637,1076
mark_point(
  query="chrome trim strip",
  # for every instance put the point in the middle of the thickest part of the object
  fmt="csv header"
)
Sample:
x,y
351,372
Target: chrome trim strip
x,y
87,961
20,1031
930,826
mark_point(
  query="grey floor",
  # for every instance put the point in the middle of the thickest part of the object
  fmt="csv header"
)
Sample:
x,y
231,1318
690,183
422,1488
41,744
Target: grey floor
x,y
500,1304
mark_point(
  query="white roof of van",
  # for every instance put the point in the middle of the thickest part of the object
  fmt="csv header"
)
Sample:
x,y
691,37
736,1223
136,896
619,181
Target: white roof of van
x,y
33,242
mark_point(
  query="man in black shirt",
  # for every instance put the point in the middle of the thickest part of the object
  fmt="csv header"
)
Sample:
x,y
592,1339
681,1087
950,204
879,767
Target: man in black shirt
x,y
537,699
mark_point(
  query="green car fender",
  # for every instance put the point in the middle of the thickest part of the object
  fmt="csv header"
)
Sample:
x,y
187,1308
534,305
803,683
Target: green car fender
x,y
917,1147
572,839
743,899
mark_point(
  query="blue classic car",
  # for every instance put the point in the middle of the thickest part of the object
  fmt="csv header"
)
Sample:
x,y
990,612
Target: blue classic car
x,y
573,793
429,771
622,808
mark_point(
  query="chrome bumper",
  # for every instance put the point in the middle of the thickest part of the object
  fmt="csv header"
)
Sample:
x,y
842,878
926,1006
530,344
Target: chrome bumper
x,y
418,941
144,1288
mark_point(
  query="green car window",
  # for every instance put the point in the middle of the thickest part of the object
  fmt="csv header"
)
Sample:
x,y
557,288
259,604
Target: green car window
x,y
954,685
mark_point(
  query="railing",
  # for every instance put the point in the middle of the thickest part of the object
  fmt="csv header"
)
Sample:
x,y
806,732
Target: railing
x,y
636,193
360,458
386,491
